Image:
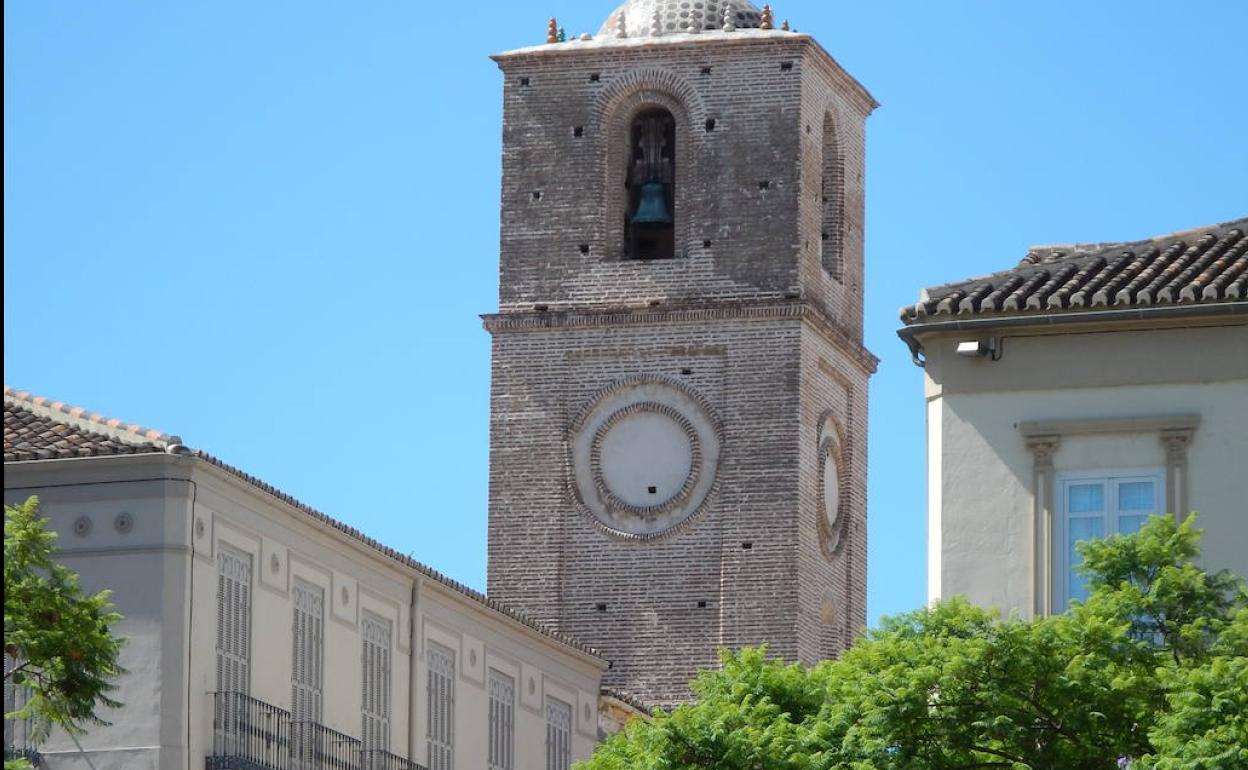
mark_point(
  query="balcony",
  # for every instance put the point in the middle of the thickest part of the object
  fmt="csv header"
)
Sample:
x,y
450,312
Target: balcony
x,y
249,734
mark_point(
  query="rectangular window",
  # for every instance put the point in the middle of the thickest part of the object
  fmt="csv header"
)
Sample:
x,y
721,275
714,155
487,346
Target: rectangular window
x,y
441,711
502,721
1095,505
376,695
307,669
558,735
233,621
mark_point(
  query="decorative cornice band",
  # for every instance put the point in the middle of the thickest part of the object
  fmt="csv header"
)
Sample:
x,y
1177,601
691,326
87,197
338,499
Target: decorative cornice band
x,y
527,321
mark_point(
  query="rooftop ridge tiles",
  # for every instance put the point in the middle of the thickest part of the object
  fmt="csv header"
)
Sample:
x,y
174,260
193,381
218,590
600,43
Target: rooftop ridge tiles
x,y
1181,267
92,421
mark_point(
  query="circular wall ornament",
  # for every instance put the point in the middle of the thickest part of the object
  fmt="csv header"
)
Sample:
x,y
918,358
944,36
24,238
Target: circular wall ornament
x,y
82,526
644,454
831,492
123,523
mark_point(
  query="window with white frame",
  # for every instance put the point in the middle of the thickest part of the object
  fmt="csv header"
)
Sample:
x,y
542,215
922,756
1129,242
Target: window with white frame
x,y
558,735
376,693
441,707
233,620
1098,504
502,721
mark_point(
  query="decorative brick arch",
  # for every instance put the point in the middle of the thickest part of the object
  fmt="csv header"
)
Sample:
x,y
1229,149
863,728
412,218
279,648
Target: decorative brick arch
x,y
832,200
613,115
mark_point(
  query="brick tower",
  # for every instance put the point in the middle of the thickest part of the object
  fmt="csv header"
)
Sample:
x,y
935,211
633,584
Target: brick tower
x,y
678,445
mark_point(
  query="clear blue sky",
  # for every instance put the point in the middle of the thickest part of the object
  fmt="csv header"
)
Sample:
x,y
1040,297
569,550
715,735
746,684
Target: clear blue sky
x,y
270,227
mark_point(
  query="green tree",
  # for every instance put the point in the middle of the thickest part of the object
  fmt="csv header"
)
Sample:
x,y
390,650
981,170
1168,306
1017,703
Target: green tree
x,y
1149,671
60,640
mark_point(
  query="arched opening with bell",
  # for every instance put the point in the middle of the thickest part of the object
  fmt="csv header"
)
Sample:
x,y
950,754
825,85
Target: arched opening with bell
x,y
650,220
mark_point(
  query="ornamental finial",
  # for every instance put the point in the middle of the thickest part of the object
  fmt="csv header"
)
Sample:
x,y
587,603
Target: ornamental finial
x,y
784,25
769,19
621,24
730,18
656,23
552,31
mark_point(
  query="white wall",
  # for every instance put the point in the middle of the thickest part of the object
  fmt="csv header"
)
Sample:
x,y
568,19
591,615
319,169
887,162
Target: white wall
x,y
981,472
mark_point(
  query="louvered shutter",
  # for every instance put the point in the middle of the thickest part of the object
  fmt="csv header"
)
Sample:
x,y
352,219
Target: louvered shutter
x,y
558,735
233,621
307,669
502,721
376,684
441,707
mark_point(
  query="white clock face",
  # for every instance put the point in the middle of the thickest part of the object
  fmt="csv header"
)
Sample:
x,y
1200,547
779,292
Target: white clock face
x,y
644,453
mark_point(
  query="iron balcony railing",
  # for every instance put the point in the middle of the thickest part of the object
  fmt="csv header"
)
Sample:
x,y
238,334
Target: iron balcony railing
x,y
316,747
384,760
249,734
18,738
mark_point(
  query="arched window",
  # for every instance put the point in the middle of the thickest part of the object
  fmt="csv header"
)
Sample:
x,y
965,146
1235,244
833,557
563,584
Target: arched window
x,y
832,197
649,222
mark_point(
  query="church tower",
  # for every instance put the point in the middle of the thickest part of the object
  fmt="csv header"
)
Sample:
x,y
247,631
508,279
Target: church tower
x,y
678,432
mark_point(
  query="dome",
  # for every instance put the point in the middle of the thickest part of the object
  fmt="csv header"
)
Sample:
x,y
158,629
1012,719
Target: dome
x,y
676,16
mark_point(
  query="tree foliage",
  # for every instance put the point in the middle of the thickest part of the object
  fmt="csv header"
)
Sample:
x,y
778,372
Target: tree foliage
x,y
1151,672
59,639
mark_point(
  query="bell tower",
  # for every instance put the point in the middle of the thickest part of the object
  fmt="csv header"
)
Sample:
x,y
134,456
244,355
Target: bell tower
x,y
678,432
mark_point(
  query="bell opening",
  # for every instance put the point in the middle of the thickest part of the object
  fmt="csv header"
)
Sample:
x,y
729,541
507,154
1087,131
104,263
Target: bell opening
x,y
649,224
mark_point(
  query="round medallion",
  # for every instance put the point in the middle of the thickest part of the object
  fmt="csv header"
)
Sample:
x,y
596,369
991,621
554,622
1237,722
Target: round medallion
x,y
831,526
643,454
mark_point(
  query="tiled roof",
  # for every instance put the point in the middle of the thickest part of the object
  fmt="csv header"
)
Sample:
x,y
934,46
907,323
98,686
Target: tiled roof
x,y
1208,265
37,428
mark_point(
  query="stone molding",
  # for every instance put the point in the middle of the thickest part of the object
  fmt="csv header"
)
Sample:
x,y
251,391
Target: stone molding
x,y
527,321
1044,438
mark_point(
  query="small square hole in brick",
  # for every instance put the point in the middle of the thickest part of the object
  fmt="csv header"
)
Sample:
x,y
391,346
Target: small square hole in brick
x,y
706,70
686,372
584,248
747,546
541,308
786,66
537,195
702,605
826,237
602,607
594,78
525,82
578,131
710,124
706,244
764,185
652,490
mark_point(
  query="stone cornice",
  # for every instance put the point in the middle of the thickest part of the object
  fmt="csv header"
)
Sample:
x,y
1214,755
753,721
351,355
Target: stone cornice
x,y
763,310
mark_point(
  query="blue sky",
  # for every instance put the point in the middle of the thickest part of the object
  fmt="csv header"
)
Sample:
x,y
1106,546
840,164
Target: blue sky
x,y
270,227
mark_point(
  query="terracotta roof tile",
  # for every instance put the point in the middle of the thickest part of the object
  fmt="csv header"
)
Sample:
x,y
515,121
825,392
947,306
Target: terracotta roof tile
x,y
1202,266
36,428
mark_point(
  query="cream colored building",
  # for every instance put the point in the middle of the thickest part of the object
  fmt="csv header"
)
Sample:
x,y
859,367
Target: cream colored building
x,y
263,634
1074,395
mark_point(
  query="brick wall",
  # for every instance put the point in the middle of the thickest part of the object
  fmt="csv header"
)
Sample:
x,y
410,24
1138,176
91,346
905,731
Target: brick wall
x,y
746,317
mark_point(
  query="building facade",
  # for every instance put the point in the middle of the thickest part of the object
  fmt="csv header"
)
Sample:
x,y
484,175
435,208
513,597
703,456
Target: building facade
x,y
679,384
1073,396
263,634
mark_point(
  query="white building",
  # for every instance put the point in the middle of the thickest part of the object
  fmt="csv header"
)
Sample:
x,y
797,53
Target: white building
x,y
1074,395
263,634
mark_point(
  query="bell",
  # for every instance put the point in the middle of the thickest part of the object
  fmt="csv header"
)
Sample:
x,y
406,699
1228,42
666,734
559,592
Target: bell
x,y
652,208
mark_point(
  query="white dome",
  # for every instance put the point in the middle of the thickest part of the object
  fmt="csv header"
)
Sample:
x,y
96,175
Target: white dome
x,y
676,16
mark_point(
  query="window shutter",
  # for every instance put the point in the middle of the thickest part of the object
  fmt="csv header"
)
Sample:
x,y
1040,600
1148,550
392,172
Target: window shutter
x,y
307,672
375,660
558,735
233,621
502,691
441,707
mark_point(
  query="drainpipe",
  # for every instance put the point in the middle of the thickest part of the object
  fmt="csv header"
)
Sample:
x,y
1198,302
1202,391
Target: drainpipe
x,y
413,674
